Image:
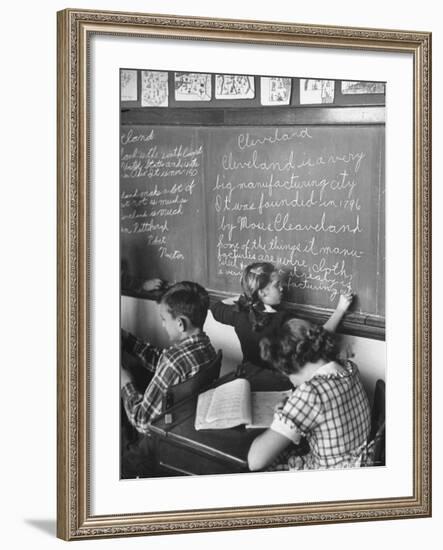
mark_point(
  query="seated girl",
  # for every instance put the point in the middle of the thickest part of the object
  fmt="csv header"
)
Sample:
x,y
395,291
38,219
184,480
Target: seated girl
x,y
328,405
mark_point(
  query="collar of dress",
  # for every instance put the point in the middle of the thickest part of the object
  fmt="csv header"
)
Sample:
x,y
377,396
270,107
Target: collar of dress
x,y
331,368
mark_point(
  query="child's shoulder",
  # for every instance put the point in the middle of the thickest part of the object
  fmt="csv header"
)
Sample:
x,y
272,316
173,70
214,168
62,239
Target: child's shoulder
x,y
304,395
189,344
335,377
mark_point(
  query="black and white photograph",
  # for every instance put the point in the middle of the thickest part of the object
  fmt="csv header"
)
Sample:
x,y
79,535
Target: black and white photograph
x,y
220,237
252,274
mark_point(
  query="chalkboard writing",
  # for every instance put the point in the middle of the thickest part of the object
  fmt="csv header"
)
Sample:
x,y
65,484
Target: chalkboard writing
x,y
308,199
201,203
161,197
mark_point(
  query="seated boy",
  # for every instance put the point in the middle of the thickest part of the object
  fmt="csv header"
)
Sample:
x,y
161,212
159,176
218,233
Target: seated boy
x,y
183,310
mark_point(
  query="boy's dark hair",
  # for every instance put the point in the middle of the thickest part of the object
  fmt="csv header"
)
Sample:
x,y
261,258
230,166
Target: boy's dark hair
x,y
188,299
298,343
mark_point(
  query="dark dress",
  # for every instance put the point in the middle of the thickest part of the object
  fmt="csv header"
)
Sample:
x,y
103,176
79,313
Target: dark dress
x,y
249,338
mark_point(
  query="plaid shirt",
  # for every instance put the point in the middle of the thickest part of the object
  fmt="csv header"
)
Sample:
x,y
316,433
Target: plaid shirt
x,y
170,366
332,411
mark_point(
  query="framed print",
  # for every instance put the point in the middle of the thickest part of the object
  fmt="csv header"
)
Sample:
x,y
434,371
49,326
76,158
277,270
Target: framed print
x,y
243,274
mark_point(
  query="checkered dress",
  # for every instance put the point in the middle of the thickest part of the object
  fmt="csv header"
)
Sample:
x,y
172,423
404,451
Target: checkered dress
x,y
170,366
332,411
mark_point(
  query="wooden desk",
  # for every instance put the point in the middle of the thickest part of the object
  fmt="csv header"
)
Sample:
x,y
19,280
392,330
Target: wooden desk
x,y
180,448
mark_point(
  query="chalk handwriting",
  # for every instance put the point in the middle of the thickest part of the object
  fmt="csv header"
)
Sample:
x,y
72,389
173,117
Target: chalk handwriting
x,y
299,210
276,196
257,161
167,178
245,141
282,223
132,137
271,184
174,255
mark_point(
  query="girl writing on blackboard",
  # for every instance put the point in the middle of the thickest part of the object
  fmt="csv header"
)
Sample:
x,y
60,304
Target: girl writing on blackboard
x,y
257,313
328,406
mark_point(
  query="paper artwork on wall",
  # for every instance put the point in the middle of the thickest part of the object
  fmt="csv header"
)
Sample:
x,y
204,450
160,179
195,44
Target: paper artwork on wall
x,y
192,87
275,90
316,91
231,86
128,83
358,87
154,89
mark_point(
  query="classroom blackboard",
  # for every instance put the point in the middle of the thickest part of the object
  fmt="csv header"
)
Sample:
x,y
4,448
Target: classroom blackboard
x,y
162,203
200,203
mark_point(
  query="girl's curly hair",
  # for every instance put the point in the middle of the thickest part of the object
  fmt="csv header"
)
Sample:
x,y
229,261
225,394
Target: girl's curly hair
x,y
255,277
297,343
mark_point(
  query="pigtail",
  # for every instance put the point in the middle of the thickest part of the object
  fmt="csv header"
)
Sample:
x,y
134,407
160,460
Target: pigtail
x,y
257,317
244,303
255,277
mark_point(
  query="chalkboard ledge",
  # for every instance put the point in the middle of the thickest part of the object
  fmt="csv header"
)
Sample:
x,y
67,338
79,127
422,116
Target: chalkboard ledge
x,y
354,323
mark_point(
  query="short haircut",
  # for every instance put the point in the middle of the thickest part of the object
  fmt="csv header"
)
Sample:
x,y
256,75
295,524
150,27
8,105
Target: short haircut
x,y
187,299
297,343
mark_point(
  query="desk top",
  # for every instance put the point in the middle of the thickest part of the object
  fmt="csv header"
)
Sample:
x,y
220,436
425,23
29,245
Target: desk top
x,y
227,448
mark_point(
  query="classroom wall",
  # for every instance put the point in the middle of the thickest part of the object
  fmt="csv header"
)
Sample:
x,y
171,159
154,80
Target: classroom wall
x,y
141,318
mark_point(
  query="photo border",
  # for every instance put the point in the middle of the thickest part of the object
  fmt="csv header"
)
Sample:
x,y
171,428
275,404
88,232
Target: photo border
x,y
75,29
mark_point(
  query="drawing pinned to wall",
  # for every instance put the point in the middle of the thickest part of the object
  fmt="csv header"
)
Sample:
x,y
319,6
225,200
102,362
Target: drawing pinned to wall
x,y
154,89
316,91
358,87
128,83
192,87
231,86
275,90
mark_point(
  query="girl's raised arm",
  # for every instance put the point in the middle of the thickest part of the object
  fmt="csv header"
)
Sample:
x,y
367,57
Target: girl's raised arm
x,y
344,302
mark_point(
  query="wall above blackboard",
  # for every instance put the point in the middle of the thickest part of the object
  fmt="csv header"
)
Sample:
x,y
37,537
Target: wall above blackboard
x,y
153,89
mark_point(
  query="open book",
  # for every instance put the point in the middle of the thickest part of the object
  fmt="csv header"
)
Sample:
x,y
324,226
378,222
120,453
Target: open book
x,y
233,404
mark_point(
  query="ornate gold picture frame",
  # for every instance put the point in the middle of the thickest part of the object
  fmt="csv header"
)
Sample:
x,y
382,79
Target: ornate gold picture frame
x,y
76,516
